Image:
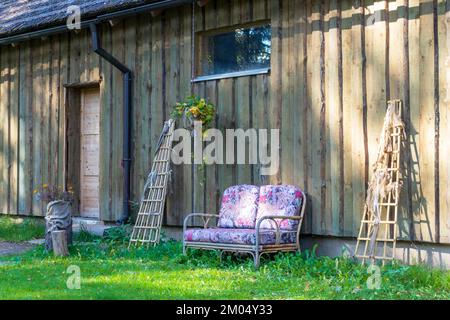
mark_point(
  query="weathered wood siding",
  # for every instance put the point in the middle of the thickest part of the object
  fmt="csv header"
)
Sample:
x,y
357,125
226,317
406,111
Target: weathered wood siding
x,y
334,65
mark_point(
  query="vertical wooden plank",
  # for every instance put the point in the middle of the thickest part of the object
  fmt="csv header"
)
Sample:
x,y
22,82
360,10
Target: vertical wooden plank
x,y
4,125
136,133
236,14
29,128
246,9
300,108
437,213
357,113
90,58
206,17
212,196
93,61
242,102
82,45
118,51
106,114
142,112
180,193
276,63
317,107
347,111
243,116
37,109
334,106
426,122
406,212
184,177
45,108
63,65
376,78
398,75
14,129
286,134
395,50
24,189
309,116
375,46
324,161
75,57
225,121
224,13
225,104
156,80
260,101
413,137
205,20
260,9
177,30
444,107
53,111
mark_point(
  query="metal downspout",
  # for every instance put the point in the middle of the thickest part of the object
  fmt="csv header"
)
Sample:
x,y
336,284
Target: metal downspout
x,y
127,98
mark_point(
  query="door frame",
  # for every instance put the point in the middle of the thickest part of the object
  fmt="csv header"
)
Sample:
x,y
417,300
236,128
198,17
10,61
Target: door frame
x,y
72,143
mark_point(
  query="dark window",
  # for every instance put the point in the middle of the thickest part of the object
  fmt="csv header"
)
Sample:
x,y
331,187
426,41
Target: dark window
x,y
235,50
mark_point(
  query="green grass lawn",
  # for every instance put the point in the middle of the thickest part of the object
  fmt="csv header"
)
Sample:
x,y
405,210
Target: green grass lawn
x,y
110,271
17,229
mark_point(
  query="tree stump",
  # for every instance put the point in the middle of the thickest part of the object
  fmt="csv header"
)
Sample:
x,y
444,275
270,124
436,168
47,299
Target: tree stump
x,y
59,240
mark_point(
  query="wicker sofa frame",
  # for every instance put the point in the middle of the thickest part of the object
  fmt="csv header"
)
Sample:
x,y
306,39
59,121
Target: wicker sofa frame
x,y
256,250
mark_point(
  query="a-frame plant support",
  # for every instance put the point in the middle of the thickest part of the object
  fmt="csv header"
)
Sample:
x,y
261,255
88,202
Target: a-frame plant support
x,y
378,231
147,228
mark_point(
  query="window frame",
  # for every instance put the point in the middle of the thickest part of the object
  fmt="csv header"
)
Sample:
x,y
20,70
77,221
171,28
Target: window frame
x,y
199,37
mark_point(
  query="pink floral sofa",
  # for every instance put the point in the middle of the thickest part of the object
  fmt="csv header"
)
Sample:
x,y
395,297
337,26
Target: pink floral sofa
x,y
252,219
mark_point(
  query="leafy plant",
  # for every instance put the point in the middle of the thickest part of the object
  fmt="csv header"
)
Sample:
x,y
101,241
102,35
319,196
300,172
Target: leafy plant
x,y
117,234
193,109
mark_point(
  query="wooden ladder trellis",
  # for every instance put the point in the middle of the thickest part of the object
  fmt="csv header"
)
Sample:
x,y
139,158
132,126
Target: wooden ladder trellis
x,y
377,235
147,228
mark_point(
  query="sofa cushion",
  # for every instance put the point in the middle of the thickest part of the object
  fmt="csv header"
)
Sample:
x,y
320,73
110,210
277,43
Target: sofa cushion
x,y
280,200
237,236
239,206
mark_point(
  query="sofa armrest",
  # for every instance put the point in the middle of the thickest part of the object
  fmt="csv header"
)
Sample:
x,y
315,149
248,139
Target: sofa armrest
x,y
274,218
206,217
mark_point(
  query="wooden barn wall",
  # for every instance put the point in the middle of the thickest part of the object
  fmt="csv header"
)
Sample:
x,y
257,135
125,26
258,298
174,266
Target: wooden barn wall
x,y
334,65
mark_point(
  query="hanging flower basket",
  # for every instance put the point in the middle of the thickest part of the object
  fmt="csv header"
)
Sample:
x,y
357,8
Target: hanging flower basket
x,y
194,109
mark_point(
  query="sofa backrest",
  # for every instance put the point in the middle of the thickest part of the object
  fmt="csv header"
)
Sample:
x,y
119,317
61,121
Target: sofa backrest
x,y
281,200
243,205
239,206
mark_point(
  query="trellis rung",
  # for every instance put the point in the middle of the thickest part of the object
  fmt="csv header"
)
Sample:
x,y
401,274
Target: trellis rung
x,y
380,222
378,240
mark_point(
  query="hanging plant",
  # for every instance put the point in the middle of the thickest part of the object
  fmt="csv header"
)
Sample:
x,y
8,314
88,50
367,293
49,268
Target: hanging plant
x,y
193,109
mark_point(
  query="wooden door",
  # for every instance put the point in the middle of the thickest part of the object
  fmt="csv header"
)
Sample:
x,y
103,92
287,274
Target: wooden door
x,y
89,152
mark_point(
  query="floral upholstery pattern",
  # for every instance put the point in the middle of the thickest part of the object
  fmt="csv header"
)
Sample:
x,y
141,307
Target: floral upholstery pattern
x,y
282,200
238,236
239,206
